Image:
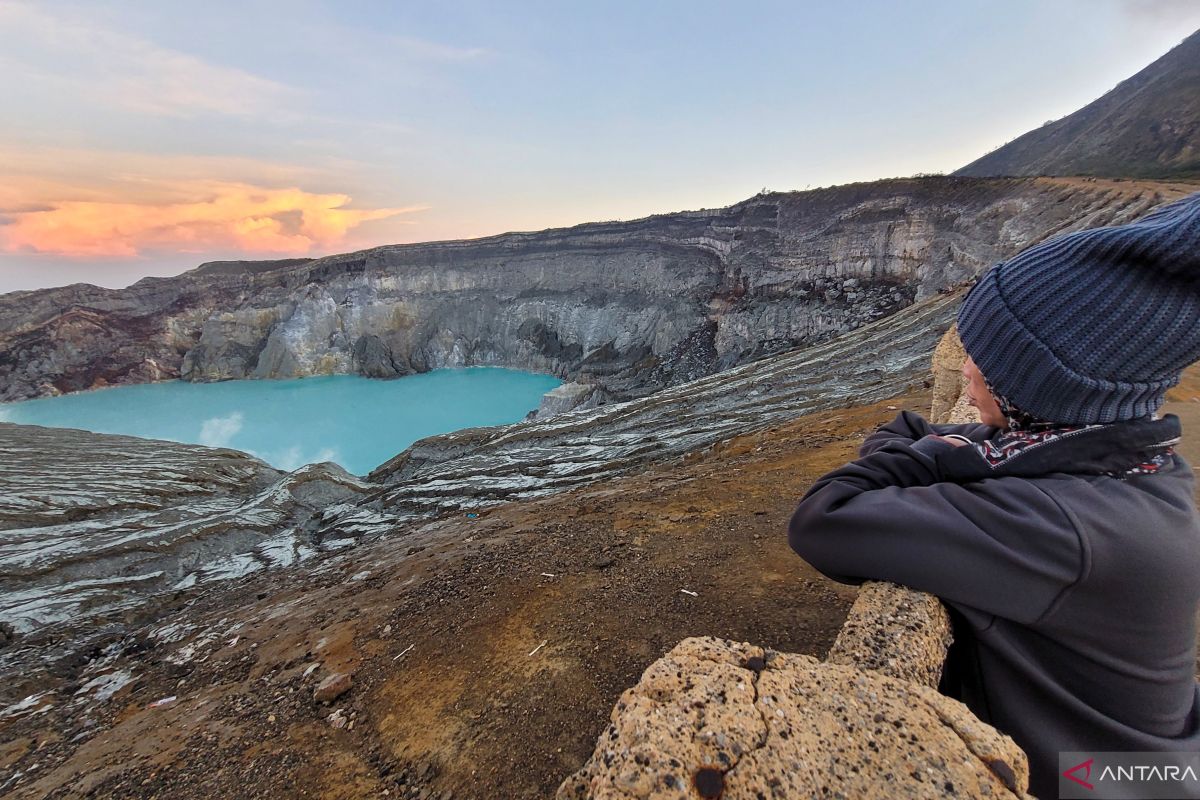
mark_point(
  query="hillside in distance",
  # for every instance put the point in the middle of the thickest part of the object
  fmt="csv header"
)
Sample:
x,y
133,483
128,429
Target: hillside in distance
x,y
620,309
1146,127
86,545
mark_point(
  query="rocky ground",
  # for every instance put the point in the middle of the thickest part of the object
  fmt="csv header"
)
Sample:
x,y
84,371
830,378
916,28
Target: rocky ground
x,y
484,653
96,529
93,526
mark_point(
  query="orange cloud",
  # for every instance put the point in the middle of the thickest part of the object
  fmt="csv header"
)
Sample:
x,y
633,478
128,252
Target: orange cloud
x,y
223,216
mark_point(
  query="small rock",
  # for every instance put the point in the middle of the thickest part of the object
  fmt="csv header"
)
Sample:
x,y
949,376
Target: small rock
x,y
336,719
333,687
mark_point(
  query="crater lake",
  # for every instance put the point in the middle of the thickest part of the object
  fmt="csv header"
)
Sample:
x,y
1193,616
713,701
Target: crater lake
x,y
352,421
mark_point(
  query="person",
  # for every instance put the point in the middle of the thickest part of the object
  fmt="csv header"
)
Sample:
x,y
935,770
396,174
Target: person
x,y
1062,531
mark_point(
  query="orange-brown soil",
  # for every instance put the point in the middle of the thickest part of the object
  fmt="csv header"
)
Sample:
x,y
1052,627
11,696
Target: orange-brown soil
x,y
486,653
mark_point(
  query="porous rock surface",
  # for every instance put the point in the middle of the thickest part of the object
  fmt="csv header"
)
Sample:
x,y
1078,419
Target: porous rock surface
x,y
948,358
895,630
949,393
719,718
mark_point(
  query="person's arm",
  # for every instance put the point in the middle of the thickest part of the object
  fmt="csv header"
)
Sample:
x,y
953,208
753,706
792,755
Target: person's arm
x,y
908,426
1001,545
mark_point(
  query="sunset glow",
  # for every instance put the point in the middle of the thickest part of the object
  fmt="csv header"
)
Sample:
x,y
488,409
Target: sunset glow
x,y
223,216
143,138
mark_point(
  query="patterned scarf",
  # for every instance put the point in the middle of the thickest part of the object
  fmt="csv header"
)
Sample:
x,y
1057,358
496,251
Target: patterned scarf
x,y
1026,430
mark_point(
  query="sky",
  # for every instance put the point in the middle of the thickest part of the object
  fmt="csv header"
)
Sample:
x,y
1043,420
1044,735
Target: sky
x,y
144,138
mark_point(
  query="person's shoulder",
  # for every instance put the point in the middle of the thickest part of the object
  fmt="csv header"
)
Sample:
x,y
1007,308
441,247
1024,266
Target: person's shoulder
x,y
1173,486
1163,501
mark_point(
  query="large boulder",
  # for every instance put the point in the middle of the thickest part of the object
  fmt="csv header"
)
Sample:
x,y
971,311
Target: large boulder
x,y
569,397
949,399
719,718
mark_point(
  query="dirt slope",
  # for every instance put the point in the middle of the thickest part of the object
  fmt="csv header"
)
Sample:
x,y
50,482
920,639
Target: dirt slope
x,y
437,628
438,631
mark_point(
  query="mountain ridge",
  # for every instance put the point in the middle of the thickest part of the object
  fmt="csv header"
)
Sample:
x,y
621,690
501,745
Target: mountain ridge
x,y
625,307
1148,126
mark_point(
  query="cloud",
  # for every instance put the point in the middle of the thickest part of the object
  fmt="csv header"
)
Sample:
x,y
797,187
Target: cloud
x,y
26,208
34,176
1166,9
425,50
219,216
1180,16
83,58
293,457
219,431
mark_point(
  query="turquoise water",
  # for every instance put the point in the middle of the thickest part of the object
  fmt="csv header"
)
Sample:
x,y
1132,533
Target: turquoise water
x,y
356,422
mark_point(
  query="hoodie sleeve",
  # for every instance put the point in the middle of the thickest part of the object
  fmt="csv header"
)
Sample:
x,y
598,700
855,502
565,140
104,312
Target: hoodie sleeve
x,y
1000,545
909,427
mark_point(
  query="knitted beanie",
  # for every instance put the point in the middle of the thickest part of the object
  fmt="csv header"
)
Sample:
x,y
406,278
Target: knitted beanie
x,y
1092,326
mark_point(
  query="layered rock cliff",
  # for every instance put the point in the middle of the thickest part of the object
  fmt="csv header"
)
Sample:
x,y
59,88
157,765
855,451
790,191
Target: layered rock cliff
x,y
143,532
97,528
626,307
93,526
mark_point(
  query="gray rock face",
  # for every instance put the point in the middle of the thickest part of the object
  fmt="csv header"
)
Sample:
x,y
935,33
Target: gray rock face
x,y
629,306
477,467
92,525
373,358
569,397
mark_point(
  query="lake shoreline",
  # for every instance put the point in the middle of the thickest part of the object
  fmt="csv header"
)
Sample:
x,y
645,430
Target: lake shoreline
x,y
374,419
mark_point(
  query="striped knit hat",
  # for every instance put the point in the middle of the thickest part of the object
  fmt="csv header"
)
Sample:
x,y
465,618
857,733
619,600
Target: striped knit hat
x,y
1092,326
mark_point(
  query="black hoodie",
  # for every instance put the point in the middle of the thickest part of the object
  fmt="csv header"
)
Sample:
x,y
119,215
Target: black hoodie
x,y
1074,592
